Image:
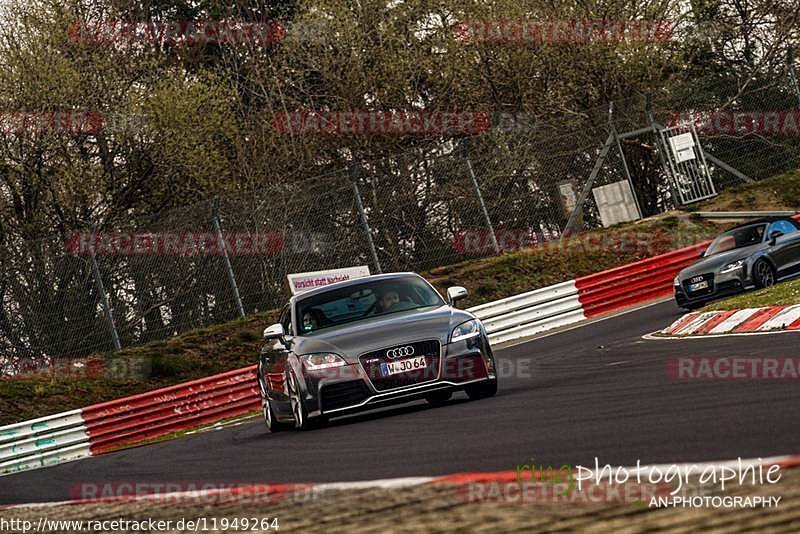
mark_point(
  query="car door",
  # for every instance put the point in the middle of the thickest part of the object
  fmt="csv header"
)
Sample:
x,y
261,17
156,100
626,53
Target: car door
x,y
273,359
786,251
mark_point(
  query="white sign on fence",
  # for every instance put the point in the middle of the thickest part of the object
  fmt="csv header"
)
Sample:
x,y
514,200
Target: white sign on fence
x,y
683,147
306,281
616,203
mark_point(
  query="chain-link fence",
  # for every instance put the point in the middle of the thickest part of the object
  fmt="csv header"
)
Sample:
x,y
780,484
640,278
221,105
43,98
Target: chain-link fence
x,y
435,205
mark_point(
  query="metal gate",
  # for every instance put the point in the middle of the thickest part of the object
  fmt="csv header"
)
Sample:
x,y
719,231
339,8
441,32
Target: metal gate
x,y
685,164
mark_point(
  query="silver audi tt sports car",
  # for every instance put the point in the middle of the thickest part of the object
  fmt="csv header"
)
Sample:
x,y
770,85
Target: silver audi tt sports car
x,y
369,342
755,254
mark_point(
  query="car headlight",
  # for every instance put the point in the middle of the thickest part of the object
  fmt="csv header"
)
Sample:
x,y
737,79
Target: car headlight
x,y
729,268
322,360
466,330
677,281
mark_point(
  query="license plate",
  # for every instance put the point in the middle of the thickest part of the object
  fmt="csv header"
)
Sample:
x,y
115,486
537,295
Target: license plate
x,y
698,286
402,366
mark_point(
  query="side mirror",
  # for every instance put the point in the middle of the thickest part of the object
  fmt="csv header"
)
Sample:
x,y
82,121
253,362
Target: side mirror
x,y
456,293
773,236
274,332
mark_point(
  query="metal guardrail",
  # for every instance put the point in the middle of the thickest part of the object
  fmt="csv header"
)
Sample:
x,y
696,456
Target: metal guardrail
x,y
634,283
742,214
107,426
44,441
530,313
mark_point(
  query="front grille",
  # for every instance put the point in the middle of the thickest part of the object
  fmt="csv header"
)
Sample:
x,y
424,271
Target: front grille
x,y
709,277
343,394
372,364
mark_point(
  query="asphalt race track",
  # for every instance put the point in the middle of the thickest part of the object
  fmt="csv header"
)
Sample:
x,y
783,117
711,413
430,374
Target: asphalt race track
x,y
595,391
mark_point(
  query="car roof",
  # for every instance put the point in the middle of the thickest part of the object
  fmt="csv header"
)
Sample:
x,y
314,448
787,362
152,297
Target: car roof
x,y
763,220
354,281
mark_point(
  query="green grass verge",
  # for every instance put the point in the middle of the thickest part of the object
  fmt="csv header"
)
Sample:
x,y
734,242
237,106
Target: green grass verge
x,y
778,193
228,346
784,294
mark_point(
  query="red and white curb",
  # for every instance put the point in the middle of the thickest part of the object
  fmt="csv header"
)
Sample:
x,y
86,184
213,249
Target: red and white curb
x,y
727,322
227,495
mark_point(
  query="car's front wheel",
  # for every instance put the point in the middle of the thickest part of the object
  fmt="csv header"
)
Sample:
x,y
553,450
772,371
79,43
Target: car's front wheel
x,y
763,274
482,390
272,424
692,306
299,412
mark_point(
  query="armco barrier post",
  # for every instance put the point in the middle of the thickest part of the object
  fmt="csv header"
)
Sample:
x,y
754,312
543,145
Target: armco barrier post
x,y
104,300
364,221
228,266
489,226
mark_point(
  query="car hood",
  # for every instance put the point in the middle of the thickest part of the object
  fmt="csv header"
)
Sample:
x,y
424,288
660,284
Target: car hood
x,y
713,263
351,340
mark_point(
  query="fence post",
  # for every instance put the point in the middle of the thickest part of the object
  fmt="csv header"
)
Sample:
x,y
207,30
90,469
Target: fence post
x,y
221,244
613,127
492,235
98,280
673,192
364,221
792,74
587,187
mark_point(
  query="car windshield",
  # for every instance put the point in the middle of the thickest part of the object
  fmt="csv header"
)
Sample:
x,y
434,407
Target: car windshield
x,y
737,238
362,301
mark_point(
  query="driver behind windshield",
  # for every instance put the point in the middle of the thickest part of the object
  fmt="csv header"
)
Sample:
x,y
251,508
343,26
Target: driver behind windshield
x,y
388,301
750,236
311,320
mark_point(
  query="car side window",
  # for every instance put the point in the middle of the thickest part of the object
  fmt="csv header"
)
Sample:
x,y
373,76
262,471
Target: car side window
x,y
286,320
785,227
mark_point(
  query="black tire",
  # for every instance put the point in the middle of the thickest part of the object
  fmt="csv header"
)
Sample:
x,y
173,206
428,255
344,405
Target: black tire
x,y
272,424
299,412
438,398
763,274
482,391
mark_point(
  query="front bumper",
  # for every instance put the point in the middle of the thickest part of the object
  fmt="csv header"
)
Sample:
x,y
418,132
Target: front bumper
x,y
721,285
355,387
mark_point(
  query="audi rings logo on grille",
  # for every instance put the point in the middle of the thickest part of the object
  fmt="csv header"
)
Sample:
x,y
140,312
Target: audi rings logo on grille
x,y
697,279
399,352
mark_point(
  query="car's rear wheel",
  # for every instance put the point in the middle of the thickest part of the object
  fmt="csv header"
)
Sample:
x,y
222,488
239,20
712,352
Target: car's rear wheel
x,y
482,390
763,274
438,397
